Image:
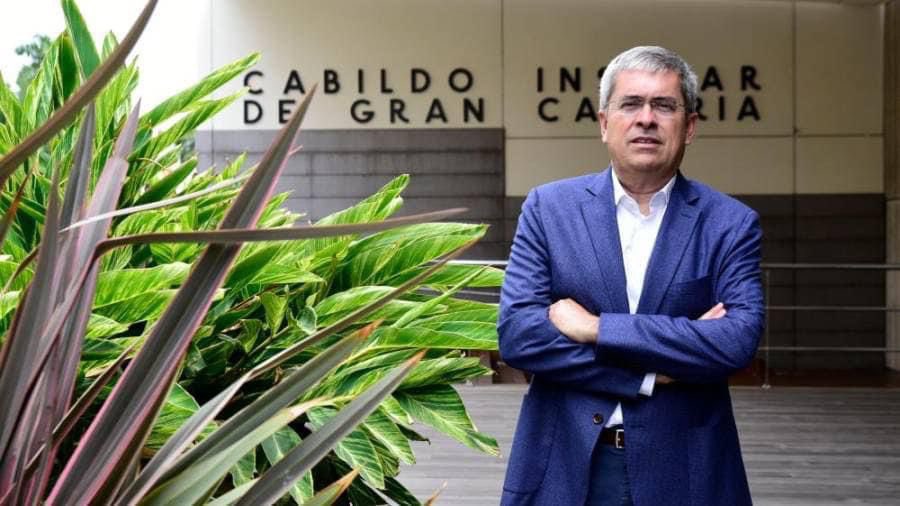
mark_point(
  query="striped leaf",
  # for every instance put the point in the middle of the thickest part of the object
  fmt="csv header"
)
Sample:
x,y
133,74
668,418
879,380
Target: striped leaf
x,y
275,448
282,475
483,337
381,427
264,407
118,285
355,448
195,482
188,97
380,257
482,276
88,58
179,406
343,303
245,469
439,406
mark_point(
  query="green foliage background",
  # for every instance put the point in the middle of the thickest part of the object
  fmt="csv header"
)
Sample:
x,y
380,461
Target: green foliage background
x,y
276,295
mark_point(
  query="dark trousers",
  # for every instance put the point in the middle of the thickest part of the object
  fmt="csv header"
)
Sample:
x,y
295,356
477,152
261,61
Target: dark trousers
x,y
609,480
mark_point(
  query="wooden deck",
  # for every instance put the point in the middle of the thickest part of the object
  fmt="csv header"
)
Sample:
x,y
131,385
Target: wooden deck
x,y
802,446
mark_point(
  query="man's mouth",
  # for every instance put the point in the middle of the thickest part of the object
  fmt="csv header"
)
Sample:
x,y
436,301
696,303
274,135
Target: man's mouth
x,y
645,140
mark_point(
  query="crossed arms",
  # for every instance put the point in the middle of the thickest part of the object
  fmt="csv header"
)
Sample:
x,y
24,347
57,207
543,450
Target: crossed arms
x,y
614,358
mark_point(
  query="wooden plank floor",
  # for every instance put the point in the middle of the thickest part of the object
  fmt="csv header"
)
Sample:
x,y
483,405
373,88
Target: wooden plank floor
x,y
802,446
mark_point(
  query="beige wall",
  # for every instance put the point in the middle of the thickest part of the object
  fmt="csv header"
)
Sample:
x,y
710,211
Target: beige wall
x,y
819,65
349,35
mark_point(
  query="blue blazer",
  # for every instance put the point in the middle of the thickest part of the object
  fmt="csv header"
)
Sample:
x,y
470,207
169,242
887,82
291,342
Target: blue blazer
x,y
681,443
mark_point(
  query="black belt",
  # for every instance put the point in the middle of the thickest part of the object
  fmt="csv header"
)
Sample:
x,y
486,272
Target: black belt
x,y
613,436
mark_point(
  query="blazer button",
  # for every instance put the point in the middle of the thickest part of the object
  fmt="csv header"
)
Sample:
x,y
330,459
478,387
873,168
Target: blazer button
x,y
598,418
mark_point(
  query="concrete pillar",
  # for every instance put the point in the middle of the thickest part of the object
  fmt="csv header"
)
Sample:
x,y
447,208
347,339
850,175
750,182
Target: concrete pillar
x,y
892,171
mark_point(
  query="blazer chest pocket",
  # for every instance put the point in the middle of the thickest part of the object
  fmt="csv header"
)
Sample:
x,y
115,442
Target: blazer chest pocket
x,y
689,298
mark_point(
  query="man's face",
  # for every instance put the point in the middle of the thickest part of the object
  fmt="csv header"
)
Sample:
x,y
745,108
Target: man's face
x,y
642,132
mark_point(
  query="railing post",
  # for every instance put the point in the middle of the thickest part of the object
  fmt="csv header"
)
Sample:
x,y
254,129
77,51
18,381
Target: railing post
x,y
766,385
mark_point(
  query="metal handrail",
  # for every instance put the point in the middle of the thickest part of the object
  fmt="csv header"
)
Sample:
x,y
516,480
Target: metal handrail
x,y
763,265
767,267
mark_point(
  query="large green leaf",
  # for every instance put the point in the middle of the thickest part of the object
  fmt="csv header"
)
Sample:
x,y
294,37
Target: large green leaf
x,y
264,407
442,371
81,36
457,336
11,110
275,448
441,407
188,97
486,277
194,118
355,449
282,475
7,268
195,482
342,303
161,188
389,462
140,307
378,206
380,257
243,471
274,307
120,285
395,411
179,406
68,68
38,102
250,265
101,326
381,427
359,373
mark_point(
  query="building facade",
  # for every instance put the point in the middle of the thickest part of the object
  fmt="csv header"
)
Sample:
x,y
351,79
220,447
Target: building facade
x,y
480,100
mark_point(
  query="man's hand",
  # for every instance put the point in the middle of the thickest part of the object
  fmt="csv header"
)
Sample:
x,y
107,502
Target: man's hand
x,y
714,313
574,321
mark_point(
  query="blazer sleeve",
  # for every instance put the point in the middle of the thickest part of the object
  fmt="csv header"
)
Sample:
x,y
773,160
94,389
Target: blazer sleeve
x,y
698,350
528,340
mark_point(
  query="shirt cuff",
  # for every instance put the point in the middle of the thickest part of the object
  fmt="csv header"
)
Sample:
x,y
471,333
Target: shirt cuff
x,y
648,384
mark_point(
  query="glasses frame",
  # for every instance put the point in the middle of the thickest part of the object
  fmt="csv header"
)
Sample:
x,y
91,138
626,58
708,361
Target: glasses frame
x,y
658,105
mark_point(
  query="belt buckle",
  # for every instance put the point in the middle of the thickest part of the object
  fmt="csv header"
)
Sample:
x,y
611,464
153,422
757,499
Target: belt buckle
x,y
620,439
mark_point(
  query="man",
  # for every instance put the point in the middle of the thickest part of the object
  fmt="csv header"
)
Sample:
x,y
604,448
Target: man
x,y
631,296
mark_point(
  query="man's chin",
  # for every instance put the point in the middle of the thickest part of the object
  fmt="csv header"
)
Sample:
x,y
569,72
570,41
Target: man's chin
x,y
651,166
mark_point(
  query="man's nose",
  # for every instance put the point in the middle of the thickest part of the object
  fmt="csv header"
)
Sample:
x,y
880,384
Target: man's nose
x,y
646,117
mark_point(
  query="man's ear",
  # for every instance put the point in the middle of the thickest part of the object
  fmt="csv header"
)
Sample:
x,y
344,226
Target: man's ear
x,y
691,129
601,119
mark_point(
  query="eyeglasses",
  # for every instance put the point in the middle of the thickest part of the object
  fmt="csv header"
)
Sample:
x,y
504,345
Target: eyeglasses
x,y
661,106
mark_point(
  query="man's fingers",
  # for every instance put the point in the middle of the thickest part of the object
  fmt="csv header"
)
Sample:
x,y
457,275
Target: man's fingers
x,y
662,379
714,312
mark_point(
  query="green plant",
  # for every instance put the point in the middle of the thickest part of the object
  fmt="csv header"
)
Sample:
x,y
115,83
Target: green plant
x,y
285,317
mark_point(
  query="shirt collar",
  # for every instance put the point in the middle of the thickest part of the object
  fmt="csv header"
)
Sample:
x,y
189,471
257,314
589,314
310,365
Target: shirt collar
x,y
619,192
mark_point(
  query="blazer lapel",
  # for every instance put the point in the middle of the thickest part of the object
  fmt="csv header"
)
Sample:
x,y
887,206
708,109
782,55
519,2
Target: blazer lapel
x,y
674,233
599,215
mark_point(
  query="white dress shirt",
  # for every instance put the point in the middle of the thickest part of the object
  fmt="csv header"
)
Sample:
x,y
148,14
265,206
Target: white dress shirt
x,y
637,235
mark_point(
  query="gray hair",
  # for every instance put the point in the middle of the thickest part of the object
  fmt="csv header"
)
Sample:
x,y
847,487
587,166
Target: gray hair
x,y
651,59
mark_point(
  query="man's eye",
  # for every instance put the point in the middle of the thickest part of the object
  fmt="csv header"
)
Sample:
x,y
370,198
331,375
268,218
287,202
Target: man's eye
x,y
631,104
664,106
